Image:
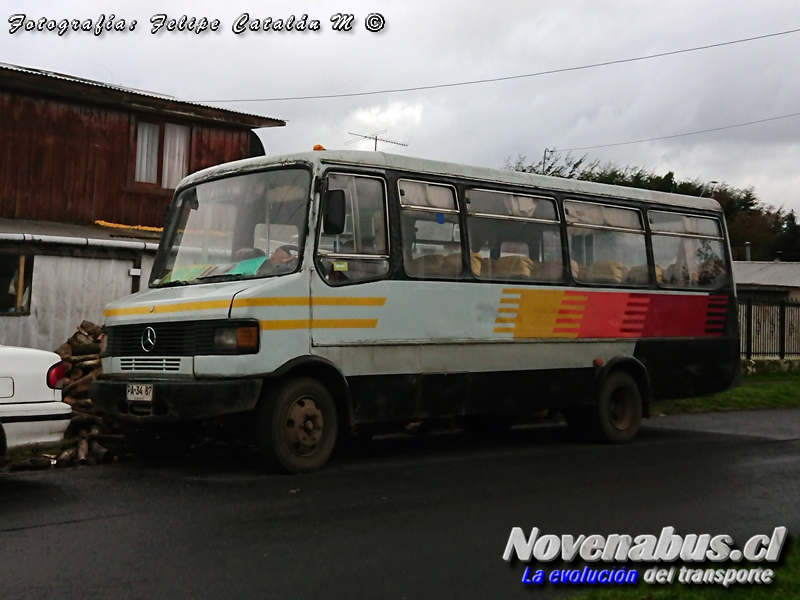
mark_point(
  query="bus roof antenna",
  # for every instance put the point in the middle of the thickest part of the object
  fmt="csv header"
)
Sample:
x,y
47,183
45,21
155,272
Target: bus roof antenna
x,y
372,136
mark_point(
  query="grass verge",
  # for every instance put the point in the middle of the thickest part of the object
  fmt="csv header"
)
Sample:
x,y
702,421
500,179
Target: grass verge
x,y
772,390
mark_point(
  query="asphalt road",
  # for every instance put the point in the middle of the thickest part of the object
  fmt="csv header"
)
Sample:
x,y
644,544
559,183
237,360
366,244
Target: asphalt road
x,y
405,517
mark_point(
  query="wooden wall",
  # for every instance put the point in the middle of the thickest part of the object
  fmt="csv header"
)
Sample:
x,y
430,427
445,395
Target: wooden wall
x,y
66,162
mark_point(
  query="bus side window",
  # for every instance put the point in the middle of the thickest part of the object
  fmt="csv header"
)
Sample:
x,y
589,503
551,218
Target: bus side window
x,y
513,237
688,250
361,251
430,230
607,244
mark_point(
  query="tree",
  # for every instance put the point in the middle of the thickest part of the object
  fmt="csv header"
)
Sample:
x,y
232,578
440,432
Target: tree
x,y
768,230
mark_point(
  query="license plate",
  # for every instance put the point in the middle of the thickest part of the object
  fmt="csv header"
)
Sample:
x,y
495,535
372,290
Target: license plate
x,y
140,392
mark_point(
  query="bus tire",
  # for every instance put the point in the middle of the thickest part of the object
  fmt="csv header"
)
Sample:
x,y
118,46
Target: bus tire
x,y
619,409
296,426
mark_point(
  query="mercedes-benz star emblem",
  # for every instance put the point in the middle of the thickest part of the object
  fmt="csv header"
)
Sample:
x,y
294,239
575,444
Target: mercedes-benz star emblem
x,y
148,339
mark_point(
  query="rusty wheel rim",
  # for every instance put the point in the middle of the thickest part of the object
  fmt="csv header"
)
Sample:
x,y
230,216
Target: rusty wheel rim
x,y
621,408
304,426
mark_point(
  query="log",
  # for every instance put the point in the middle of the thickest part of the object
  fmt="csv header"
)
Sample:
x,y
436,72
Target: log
x,y
83,381
79,403
64,351
78,360
83,451
66,457
32,464
101,454
90,364
91,329
75,374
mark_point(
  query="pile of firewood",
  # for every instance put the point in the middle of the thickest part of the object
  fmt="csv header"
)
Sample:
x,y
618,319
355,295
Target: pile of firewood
x,y
96,441
89,439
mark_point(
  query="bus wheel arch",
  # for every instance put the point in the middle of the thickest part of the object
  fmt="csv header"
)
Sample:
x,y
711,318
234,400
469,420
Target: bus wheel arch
x,y
637,371
618,413
297,425
305,404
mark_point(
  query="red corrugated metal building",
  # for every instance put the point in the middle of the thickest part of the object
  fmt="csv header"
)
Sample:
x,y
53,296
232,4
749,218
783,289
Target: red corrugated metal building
x,y
78,151
75,153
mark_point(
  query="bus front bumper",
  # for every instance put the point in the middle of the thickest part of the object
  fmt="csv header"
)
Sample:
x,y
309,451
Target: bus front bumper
x,y
174,401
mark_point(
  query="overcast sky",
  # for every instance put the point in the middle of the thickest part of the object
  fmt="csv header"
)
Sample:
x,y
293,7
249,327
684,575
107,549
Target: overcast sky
x,y
427,43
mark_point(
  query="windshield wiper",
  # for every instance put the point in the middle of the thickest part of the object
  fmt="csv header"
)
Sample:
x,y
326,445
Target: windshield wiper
x,y
223,277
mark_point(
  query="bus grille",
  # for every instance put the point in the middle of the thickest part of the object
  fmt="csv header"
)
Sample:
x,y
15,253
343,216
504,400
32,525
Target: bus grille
x,y
150,364
179,338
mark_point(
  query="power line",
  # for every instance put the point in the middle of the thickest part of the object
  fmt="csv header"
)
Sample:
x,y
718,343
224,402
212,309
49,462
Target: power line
x,y
677,135
510,77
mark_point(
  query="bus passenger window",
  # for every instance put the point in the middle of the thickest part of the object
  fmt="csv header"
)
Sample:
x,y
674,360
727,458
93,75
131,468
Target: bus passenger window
x,y
607,244
513,237
430,230
361,251
689,250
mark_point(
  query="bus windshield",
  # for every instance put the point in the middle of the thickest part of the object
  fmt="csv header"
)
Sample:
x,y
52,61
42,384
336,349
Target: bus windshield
x,y
239,227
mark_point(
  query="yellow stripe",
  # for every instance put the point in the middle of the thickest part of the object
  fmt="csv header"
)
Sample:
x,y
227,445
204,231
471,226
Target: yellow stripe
x,y
168,308
505,320
504,330
304,301
507,310
349,301
242,303
319,324
279,301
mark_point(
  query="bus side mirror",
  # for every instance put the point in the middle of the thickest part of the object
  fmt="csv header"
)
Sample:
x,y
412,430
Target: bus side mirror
x,y
333,212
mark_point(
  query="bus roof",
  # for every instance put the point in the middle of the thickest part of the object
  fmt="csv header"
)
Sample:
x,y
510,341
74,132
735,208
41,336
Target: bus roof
x,y
435,167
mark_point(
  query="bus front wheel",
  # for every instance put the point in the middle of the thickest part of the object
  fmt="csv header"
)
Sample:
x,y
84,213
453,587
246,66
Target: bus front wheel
x,y
619,409
297,425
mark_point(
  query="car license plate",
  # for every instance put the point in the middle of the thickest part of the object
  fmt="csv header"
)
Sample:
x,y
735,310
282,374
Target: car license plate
x,y
140,392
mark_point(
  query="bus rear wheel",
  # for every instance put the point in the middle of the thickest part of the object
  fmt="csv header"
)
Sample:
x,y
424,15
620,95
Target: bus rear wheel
x,y
619,409
296,426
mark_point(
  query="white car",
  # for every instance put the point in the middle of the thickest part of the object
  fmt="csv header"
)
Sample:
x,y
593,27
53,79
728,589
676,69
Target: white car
x,y
31,411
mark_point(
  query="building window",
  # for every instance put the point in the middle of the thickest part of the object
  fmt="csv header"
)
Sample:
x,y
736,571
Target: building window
x,y
162,153
16,275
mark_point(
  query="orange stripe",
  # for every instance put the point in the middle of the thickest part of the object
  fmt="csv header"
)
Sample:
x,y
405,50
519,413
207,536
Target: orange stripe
x,y
168,308
505,319
304,301
504,330
319,324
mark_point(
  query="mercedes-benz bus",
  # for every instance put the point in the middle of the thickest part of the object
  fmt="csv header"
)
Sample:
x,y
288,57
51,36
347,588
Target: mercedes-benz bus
x,y
322,294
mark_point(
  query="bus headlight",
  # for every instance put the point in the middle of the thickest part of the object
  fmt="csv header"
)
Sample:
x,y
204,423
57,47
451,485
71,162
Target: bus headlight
x,y
242,339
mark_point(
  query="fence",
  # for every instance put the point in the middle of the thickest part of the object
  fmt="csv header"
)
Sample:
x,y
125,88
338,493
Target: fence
x,y
769,328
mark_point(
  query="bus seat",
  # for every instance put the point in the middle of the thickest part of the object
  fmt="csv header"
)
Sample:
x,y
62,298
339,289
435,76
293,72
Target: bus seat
x,y
452,265
606,271
426,265
476,262
638,275
512,266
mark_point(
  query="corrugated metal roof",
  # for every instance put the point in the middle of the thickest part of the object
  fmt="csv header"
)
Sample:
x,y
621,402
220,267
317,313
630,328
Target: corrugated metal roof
x,y
26,231
185,104
775,274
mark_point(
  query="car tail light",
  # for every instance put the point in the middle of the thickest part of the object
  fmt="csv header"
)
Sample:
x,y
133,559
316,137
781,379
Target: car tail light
x,y
55,374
